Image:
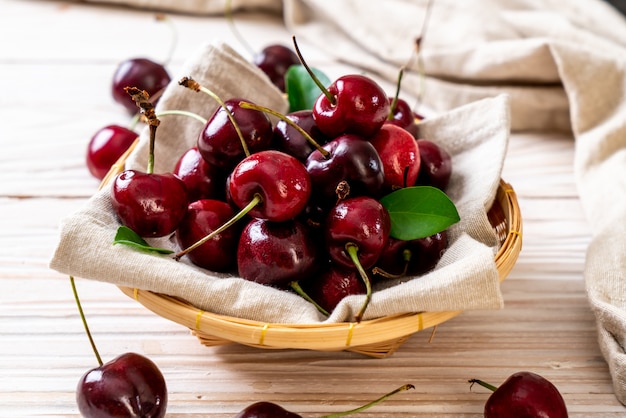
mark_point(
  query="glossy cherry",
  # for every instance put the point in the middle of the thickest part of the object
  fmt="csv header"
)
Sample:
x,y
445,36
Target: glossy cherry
x,y
399,153
105,148
402,115
264,409
355,104
280,181
331,285
274,60
142,73
219,143
413,257
150,204
351,159
129,386
203,217
203,180
276,253
436,165
290,140
524,395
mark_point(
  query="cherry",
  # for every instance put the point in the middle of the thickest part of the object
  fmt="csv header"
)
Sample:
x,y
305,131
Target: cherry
x,y
218,143
274,60
203,217
288,139
436,165
356,231
399,153
105,148
203,180
402,116
142,73
150,204
275,253
280,181
353,103
130,385
524,395
330,286
411,258
350,159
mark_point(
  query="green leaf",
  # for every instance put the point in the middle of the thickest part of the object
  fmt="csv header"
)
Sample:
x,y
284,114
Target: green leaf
x,y
419,212
301,89
127,236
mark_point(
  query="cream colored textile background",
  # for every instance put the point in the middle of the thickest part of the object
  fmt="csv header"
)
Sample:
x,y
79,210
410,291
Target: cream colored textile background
x,y
561,63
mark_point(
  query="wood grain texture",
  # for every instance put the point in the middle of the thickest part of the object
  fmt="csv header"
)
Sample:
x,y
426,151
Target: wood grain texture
x,y
54,86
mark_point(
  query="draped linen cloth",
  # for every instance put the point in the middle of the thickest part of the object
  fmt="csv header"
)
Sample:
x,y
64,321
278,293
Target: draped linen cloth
x,y
562,65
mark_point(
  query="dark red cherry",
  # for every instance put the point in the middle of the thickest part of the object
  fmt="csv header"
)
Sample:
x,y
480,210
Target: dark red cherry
x,y
399,154
289,140
280,180
362,221
276,253
436,165
274,61
152,205
142,73
333,284
265,409
351,159
219,143
203,180
105,148
129,386
413,257
359,106
203,217
403,116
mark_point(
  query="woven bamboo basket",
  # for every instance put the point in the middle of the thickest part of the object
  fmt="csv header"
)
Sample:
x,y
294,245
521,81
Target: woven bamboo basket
x,y
378,337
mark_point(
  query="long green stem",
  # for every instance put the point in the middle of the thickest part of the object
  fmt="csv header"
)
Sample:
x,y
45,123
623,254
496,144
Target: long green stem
x,y
370,404
353,251
228,13
182,113
332,99
82,317
298,289
255,201
394,103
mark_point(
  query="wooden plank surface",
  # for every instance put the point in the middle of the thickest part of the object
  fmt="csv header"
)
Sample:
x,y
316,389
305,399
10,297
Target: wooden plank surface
x,y
54,95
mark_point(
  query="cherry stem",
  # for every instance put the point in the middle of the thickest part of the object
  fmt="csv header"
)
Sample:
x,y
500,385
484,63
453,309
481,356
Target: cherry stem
x,y
192,84
298,289
483,384
82,317
394,102
257,199
406,256
313,142
332,99
418,48
183,113
353,250
228,12
371,404
173,44
142,100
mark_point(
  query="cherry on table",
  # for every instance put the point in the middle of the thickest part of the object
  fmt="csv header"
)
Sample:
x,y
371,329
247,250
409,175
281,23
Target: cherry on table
x,y
142,73
105,148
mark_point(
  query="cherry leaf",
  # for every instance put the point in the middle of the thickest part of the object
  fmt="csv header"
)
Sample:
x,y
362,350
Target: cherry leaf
x,y
301,89
419,212
127,236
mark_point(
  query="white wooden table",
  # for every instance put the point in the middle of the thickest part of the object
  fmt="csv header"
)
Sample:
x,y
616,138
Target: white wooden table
x,y
56,61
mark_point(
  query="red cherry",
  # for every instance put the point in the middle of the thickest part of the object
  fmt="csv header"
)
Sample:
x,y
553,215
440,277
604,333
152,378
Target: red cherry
x,y
142,73
105,148
203,217
265,409
333,284
152,205
403,116
203,180
399,154
357,104
280,180
436,165
288,139
129,386
414,257
275,60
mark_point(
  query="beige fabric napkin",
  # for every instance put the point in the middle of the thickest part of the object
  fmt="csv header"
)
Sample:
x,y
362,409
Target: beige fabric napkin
x,y
466,278
563,65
